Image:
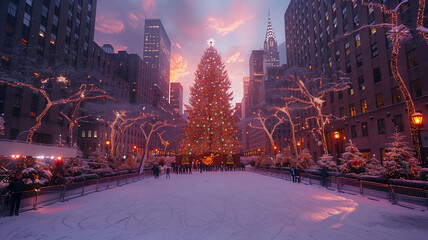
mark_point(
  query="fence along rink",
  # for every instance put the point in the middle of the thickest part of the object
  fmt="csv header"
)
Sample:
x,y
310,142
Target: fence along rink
x,y
47,195
394,193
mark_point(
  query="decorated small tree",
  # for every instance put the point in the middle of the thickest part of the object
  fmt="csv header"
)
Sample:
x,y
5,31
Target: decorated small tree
x,y
304,159
35,173
374,167
351,160
399,157
327,161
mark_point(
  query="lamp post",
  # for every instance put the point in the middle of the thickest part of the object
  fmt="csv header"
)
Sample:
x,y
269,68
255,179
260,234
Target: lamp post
x,y
299,144
417,119
337,136
107,148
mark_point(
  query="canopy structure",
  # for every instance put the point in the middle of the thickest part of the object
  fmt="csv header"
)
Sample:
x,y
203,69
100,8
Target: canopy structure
x,y
10,148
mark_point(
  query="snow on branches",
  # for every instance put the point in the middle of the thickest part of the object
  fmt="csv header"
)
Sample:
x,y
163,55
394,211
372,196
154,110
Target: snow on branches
x,y
312,91
351,160
399,159
262,120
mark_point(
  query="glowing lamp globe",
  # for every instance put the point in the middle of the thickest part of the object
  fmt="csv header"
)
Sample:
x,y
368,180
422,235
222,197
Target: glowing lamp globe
x,y
336,135
417,119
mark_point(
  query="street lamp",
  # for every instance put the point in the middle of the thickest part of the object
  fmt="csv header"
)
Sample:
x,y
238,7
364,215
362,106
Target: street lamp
x,y
299,144
107,148
417,119
337,136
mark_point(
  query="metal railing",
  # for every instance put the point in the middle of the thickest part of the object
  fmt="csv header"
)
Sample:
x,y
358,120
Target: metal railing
x,y
394,193
48,195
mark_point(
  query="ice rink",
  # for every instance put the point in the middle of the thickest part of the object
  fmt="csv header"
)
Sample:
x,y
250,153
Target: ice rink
x,y
218,205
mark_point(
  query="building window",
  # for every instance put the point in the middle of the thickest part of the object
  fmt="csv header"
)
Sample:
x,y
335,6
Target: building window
x,y
357,40
381,126
352,111
342,112
364,106
17,105
359,60
396,95
353,131
89,133
415,87
95,133
361,85
412,60
351,91
379,100
83,133
365,129
347,49
376,75
348,67
374,49
398,122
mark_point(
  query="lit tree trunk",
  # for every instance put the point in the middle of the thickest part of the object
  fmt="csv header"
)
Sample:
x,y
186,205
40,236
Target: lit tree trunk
x,y
262,121
148,135
286,110
407,97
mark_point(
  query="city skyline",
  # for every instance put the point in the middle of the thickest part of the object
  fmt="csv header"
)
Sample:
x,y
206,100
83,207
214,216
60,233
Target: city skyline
x,y
189,25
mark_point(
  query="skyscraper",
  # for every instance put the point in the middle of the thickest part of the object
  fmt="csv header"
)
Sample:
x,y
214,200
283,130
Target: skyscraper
x,y
157,53
177,97
271,54
256,76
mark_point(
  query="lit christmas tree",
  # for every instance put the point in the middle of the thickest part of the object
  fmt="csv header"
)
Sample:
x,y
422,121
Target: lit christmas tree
x,y
351,159
304,159
211,126
374,167
327,161
397,156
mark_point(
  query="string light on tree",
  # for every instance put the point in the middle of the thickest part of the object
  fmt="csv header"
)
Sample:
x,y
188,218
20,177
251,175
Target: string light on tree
x,y
211,126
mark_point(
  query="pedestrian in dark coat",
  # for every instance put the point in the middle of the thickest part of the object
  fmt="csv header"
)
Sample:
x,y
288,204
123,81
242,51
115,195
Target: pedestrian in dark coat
x,y
293,174
167,172
298,171
324,176
15,188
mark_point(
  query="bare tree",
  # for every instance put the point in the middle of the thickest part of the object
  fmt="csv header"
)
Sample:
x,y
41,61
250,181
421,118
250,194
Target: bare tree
x,y
262,120
148,129
85,92
315,98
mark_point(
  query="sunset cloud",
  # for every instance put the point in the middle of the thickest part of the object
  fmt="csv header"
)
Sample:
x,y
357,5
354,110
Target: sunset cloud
x,y
133,20
178,67
149,6
109,25
235,58
222,28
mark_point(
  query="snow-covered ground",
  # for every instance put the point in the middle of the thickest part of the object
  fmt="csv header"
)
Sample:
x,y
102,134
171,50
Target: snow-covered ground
x,y
218,205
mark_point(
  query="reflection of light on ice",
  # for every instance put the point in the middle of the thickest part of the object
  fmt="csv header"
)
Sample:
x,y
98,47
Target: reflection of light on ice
x,y
345,206
57,209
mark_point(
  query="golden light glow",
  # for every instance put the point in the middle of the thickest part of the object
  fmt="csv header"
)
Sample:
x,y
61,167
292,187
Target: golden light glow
x,y
417,119
336,135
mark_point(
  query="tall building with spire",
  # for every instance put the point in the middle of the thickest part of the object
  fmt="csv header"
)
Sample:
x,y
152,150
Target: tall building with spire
x,y
271,54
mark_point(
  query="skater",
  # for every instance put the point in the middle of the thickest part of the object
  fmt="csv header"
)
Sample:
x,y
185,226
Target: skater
x,y
293,174
324,176
167,172
15,189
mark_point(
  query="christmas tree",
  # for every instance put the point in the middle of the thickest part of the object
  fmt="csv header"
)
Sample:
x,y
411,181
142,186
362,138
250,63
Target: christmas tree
x,y
374,167
351,159
326,161
211,126
304,159
399,157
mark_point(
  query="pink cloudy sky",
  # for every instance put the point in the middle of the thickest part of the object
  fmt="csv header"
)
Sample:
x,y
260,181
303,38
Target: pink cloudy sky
x,y
237,26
